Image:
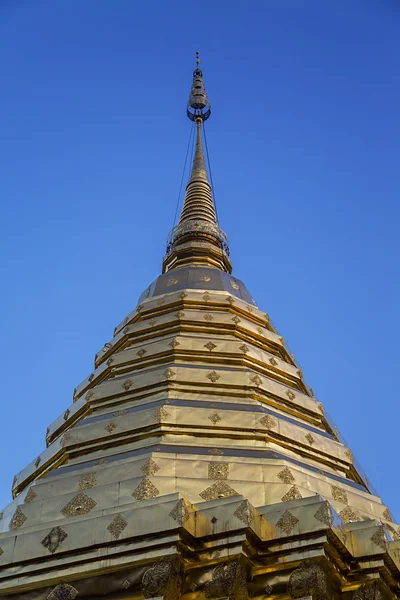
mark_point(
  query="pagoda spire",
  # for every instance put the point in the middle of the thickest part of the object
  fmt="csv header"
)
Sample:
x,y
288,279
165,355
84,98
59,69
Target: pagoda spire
x,y
197,239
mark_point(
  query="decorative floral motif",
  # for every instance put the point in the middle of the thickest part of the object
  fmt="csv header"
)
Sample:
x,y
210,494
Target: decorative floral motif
x,y
149,467
219,489
180,314
87,481
213,376
174,343
183,295
370,591
160,414
386,514
180,513
63,592
286,475
234,284
268,422
230,300
206,297
321,408
379,538
208,317
162,579
339,494
324,514
245,349
117,526
348,515
169,374
110,362
140,353
236,319
287,522
66,414
127,384
244,512
310,439
204,277
54,539
66,438
172,281
260,330
210,346
214,418
349,455
126,584
216,451
291,395
80,504
256,379
18,519
145,490
273,361
152,322
218,470
161,301
110,427
292,494
31,496
309,580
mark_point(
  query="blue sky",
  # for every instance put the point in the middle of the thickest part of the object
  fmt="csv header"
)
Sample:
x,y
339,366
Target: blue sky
x,y
304,145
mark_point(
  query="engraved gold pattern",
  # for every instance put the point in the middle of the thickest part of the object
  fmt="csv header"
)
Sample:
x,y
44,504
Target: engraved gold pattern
x,y
172,281
145,490
244,512
339,494
219,489
230,300
244,348
126,584
54,539
286,475
218,470
169,374
348,515
160,414
149,467
180,314
386,514
206,297
310,439
204,277
208,317
152,322
140,353
324,514
210,346
63,592
292,494
17,520
180,513
256,379
215,451
349,455
234,284
268,422
66,438
379,538
87,481
127,384
213,376
117,526
174,343
31,496
80,504
287,522
110,427
161,301
291,395
183,295
321,408
214,418
236,319
273,361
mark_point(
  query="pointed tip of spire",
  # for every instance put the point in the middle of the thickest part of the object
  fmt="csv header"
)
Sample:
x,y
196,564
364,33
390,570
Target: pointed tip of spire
x,y
198,106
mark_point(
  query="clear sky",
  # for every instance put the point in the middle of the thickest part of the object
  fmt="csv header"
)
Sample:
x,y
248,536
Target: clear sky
x,y
304,145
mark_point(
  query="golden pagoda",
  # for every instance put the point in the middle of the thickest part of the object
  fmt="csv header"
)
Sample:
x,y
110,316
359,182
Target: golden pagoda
x,y
194,461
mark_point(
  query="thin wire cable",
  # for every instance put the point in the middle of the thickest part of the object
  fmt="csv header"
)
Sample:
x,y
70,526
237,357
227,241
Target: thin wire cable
x,y
183,174
209,170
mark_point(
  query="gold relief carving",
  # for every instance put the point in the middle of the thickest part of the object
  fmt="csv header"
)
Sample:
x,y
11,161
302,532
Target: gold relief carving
x,y
287,522
208,317
324,514
180,314
87,481
80,504
210,346
172,281
31,496
218,470
273,361
162,579
349,455
386,514
369,591
268,422
63,592
219,489
54,539
174,343
256,379
160,414
321,408
17,520
213,376
161,301
310,439
249,308
244,348
260,330
66,438
180,513
117,526
89,395
236,319
66,414
214,418
152,322
292,494
244,512
140,353
110,427
268,589
127,384
169,373
215,451
206,297
339,494
234,284
291,395
286,475
228,580
348,515
230,300
91,377
101,461
204,277
38,461
145,490
183,295
308,580
126,584
149,467
110,362
379,538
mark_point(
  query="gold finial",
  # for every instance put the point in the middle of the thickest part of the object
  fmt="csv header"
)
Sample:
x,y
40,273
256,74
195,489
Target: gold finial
x,y
197,58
